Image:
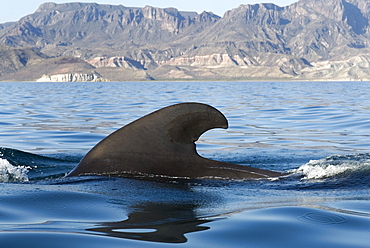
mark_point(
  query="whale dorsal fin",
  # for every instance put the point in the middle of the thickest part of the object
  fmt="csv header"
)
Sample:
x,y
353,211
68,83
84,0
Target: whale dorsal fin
x,y
162,144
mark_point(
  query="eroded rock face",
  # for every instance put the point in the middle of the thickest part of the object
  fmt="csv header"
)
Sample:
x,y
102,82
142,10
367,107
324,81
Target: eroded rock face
x,y
123,62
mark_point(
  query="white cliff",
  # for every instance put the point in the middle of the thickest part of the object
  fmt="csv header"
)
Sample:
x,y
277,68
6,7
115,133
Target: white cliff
x,y
72,77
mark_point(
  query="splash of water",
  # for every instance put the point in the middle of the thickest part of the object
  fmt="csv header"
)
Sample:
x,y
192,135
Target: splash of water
x,y
10,173
334,165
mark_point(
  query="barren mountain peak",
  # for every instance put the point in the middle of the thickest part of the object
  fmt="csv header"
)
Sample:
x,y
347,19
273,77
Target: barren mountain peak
x,y
290,41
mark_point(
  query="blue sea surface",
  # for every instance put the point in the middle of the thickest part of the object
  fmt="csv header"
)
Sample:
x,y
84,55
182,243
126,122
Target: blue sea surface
x,y
318,132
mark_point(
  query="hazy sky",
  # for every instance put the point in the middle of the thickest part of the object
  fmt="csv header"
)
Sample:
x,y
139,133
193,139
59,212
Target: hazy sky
x,y
12,10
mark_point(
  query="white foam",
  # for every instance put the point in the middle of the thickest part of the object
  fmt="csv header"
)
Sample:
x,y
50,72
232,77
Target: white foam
x,y
10,173
332,166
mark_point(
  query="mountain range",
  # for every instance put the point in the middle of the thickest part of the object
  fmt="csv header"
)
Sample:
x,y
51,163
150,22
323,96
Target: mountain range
x,y
307,40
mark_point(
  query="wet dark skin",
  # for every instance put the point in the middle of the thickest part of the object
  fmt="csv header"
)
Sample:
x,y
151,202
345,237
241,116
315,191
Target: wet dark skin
x,y
162,144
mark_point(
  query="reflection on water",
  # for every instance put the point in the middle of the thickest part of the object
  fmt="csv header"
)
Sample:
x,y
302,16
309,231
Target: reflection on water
x,y
190,212
161,212
156,222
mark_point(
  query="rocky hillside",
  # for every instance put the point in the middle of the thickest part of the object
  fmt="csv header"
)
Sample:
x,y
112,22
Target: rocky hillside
x,y
308,40
15,59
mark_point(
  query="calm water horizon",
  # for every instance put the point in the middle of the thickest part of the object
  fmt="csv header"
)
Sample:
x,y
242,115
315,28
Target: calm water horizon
x,y
318,132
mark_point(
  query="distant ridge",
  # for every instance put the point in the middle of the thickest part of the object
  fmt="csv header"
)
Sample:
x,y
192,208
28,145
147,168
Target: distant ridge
x,y
307,40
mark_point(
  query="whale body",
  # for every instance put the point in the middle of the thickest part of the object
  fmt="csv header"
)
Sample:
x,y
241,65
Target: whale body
x,y
162,144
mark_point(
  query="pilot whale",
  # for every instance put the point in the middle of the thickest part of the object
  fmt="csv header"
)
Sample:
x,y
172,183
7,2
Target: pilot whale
x,y
162,144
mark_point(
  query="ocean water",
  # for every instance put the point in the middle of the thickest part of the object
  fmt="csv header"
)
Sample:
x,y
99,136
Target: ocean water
x,y
318,132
